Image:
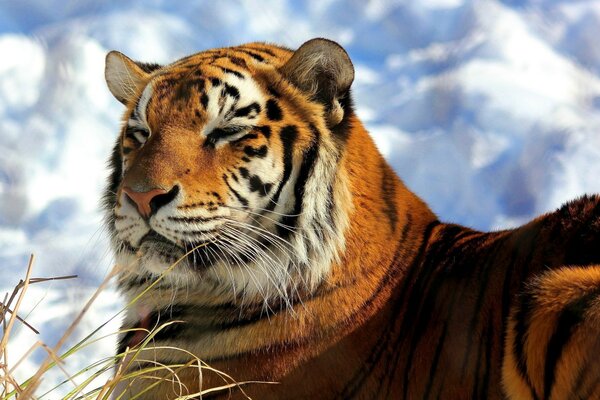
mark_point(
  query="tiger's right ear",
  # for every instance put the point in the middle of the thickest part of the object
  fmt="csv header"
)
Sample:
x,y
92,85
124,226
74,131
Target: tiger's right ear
x,y
125,77
323,70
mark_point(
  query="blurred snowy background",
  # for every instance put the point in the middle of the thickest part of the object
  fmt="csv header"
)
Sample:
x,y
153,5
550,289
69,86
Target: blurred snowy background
x,y
489,110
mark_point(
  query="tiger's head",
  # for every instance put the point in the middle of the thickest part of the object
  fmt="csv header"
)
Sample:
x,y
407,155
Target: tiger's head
x,y
229,161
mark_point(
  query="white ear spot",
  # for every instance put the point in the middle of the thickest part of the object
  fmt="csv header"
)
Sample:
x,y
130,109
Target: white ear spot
x,y
123,76
336,113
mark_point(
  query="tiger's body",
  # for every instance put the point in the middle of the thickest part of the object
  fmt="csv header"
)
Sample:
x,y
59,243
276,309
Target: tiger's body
x,y
318,268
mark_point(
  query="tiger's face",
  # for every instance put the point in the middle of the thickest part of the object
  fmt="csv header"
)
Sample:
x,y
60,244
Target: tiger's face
x,y
228,167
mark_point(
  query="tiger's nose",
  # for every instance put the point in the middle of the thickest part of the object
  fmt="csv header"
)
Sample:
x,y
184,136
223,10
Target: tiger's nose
x,y
147,203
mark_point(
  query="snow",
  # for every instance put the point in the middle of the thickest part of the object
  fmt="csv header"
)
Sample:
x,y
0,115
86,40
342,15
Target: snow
x,y
489,110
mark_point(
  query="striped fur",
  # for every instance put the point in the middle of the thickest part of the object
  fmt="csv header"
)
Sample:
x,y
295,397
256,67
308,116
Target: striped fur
x,y
321,270
553,339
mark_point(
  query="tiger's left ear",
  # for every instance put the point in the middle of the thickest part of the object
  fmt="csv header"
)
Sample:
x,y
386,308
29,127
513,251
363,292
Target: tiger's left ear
x,y
125,77
322,68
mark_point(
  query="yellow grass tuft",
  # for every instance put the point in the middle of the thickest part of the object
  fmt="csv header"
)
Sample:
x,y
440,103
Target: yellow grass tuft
x,y
84,382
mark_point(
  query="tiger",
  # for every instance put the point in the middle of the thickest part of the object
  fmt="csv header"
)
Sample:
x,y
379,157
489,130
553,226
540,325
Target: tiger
x,y
261,234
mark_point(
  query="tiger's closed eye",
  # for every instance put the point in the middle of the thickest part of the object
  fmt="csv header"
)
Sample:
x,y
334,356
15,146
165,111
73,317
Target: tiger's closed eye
x,y
230,133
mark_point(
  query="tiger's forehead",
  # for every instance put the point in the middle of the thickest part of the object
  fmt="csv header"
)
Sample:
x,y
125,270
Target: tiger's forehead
x,y
244,57
240,61
212,84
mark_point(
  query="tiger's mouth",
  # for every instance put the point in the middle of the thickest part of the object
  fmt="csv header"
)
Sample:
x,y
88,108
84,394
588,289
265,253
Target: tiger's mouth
x,y
153,238
199,255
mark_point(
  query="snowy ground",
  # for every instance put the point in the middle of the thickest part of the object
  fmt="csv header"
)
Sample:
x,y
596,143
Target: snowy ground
x,y
489,110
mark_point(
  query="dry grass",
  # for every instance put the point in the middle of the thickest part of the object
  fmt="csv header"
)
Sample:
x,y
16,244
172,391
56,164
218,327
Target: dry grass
x,y
85,382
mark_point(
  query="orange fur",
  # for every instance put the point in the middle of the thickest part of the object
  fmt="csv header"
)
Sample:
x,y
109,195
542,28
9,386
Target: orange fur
x,y
411,308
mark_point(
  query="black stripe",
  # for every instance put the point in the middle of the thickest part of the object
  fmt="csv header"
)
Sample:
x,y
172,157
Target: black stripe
x,y
231,91
252,54
231,71
262,50
240,62
434,362
417,286
148,67
265,130
406,227
273,92
306,168
170,332
204,100
261,152
240,198
364,371
135,280
388,192
288,135
193,219
257,185
274,112
489,342
456,268
507,297
524,241
420,302
483,278
247,110
568,320
521,326
330,204
476,380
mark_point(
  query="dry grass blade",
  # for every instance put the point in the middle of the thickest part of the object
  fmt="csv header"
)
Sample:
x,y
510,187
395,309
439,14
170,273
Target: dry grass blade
x,y
121,364
10,386
7,381
6,309
34,382
54,278
22,287
5,377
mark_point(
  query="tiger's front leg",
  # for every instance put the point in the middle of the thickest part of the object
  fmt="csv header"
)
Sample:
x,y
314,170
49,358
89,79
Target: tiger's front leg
x,y
552,348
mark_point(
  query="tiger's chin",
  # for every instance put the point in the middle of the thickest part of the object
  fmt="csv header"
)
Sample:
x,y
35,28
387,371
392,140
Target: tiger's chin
x,y
151,260
162,259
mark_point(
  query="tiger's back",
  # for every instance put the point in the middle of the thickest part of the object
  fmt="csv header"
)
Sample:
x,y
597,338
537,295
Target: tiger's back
x,y
294,253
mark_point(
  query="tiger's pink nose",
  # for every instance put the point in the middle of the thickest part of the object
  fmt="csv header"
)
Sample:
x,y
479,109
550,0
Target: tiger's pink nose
x,y
144,201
